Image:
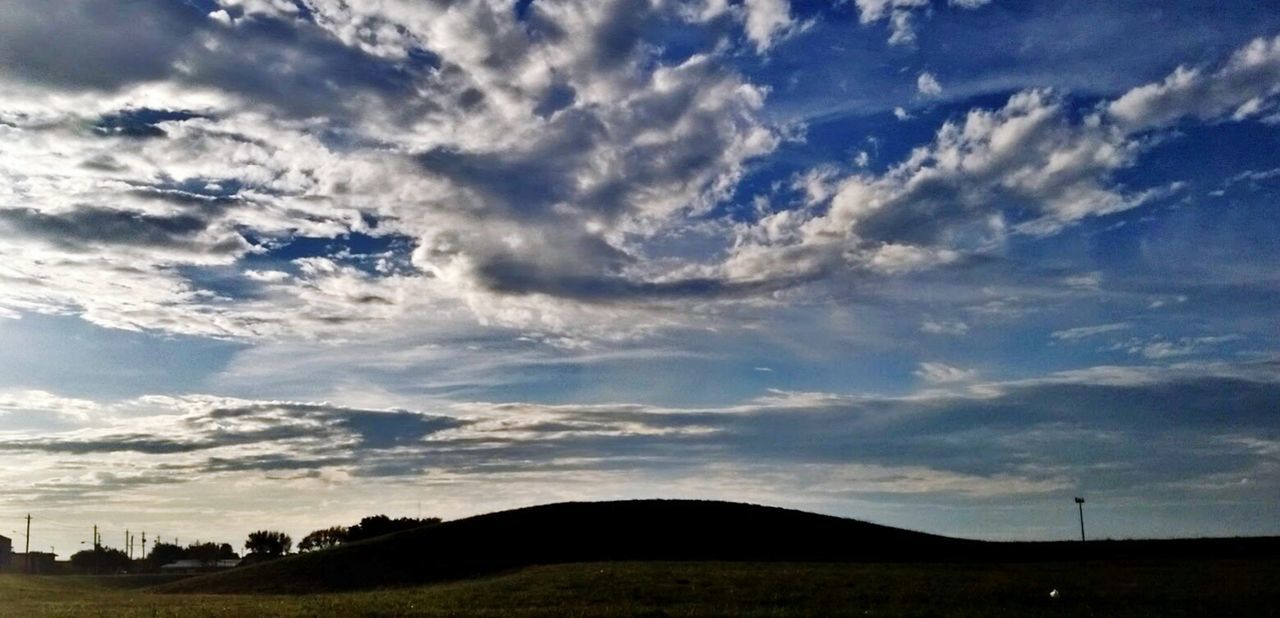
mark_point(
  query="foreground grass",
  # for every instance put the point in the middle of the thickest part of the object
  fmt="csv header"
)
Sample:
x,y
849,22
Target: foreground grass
x,y
1166,588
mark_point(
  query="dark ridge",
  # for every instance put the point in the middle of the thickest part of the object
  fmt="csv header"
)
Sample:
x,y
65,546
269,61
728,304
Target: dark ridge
x,y
668,530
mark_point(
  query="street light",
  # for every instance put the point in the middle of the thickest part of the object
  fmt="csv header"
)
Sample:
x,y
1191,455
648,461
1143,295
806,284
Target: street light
x,y
1080,503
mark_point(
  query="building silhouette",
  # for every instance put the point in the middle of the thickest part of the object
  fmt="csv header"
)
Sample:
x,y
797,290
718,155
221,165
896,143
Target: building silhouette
x,y
6,552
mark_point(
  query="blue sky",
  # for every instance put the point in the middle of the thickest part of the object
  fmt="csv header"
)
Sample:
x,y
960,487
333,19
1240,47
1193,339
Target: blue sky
x,y
941,264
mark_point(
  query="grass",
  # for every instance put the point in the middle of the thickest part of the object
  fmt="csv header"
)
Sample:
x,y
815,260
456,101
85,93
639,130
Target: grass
x,y
1140,588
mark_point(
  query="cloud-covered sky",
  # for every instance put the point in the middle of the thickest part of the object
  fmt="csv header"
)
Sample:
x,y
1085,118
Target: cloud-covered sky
x,y
941,264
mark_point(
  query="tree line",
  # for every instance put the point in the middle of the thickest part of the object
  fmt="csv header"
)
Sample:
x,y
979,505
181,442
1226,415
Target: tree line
x,y
260,545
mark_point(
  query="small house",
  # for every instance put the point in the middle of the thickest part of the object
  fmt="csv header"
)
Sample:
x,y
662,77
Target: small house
x,y
189,567
35,563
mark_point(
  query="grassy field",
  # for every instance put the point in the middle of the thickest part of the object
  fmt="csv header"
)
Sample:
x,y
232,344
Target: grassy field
x,y
1167,588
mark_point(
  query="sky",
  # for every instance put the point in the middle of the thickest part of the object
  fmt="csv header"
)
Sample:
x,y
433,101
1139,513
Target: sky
x,y
937,264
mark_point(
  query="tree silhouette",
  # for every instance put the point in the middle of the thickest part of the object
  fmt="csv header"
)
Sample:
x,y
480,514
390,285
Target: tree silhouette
x,y
208,552
268,543
323,539
165,553
100,560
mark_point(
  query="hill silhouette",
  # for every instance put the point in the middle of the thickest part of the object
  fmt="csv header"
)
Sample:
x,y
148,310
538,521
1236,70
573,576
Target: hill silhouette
x,y
667,530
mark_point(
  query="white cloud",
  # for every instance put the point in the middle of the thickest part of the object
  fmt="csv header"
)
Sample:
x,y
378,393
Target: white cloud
x,y
901,15
768,21
1246,86
32,407
901,114
937,204
943,327
1159,348
1048,167
1084,281
1082,332
940,373
221,17
927,85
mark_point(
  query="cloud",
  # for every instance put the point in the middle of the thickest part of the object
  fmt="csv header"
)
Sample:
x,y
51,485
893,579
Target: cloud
x,y
95,44
901,15
210,424
1082,332
1032,167
31,407
937,205
1140,436
1246,86
510,184
534,183
927,85
942,327
942,374
1030,432
1158,347
768,21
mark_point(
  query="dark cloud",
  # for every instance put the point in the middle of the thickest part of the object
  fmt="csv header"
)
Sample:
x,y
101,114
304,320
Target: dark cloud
x,y
510,275
88,226
109,443
272,463
306,426
139,123
524,184
95,43
299,69
296,67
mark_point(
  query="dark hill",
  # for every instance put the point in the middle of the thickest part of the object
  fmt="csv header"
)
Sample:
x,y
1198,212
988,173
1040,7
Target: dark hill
x,y
668,530
580,532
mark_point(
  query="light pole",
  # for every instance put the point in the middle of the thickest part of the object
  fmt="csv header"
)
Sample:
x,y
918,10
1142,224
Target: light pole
x,y
1080,504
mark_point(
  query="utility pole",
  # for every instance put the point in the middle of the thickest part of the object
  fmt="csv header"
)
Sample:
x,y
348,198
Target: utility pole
x,y
1080,504
144,543
95,537
126,542
27,551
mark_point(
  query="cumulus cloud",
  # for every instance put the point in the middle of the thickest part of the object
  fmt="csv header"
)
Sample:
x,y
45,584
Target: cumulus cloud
x,y
1246,86
1032,167
498,147
493,161
938,204
767,21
